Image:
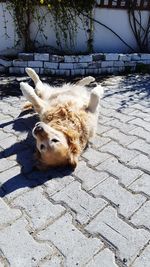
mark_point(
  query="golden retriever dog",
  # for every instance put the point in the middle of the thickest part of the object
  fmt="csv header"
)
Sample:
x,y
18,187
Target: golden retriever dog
x,y
68,118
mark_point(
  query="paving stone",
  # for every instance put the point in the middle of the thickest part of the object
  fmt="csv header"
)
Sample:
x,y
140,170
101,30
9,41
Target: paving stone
x,y
125,174
127,240
141,123
55,261
141,217
39,209
66,237
102,129
121,138
122,117
57,184
105,258
14,182
140,132
84,205
98,141
123,127
144,259
6,164
89,177
4,135
140,145
141,162
7,214
20,248
119,151
142,184
95,157
126,202
140,114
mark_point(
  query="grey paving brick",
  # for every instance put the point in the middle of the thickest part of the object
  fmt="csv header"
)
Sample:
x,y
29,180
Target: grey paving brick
x,y
141,123
141,217
125,174
123,127
89,177
4,135
140,145
141,133
102,129
144,259
127,202
8,142
39,209
57,184
20,248
121,138
6,164
98,141
55,261
7,214
141,162
14,182
105,258
142,184
119,151
127,240
142,115
66,237
95,157
139,106
84,205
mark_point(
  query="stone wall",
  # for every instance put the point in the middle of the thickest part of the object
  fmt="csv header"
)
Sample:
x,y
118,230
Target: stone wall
x,y
93,64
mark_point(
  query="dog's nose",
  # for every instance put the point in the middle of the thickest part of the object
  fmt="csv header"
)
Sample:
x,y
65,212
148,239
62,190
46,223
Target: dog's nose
x,y
38,129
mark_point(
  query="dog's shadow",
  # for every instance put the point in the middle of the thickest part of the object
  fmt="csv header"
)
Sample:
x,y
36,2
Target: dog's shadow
x,y
22,151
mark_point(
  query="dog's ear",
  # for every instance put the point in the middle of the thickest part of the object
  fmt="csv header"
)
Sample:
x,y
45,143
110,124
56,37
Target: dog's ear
x,y
73,160
74,147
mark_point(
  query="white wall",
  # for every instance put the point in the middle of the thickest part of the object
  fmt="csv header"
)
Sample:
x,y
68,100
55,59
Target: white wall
x,y
104,40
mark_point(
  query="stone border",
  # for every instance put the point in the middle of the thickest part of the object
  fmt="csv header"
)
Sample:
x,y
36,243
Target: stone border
x,y
80,65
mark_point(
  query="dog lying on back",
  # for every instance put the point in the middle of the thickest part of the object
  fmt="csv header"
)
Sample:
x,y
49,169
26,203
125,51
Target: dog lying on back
x,y
68,119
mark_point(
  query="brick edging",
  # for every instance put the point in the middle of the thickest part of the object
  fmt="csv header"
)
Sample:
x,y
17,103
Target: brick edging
x,y
93,64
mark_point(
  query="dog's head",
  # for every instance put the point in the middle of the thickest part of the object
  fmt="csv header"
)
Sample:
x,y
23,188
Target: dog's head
x,y
55,147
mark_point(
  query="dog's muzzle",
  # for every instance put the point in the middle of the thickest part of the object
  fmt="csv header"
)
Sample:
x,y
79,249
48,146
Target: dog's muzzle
x,y
38,129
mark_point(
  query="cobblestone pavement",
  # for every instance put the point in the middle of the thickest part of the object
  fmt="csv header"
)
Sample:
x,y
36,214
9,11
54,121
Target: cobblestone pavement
x,y
97,216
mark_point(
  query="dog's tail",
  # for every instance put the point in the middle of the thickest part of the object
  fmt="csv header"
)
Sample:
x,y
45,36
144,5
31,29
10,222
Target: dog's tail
x,y
33,75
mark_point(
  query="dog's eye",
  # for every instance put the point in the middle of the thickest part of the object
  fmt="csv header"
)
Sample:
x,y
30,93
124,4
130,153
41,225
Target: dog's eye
x,y
55,140
42,147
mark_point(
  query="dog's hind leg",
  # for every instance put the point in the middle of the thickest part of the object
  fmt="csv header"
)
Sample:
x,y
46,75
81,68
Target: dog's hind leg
x,y
38,83
86,81
93,108
31,96
95,96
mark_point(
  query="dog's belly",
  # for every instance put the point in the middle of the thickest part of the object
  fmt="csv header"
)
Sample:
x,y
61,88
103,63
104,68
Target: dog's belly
x,y
77,99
